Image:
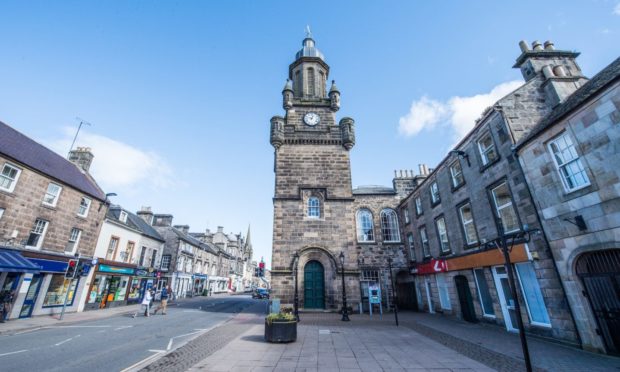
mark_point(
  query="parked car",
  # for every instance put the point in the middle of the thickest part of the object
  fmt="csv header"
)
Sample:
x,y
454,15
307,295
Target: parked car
x,y
261,293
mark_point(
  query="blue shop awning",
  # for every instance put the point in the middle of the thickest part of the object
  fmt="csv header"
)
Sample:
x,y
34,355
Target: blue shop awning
x,y
14,262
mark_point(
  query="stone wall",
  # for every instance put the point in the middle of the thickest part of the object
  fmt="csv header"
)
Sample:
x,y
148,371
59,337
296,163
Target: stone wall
x,y
595,131
24,205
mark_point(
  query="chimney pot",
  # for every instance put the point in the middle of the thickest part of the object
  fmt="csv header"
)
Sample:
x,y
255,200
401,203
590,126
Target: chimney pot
x,y
549,45
547,72
536,45
523,45
559,71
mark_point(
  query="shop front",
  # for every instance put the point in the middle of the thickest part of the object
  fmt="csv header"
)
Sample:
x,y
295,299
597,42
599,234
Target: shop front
x,y
143,279
110,286
200,284
16,271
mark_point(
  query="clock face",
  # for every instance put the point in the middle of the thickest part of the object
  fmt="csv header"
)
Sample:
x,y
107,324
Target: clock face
x,y
312,118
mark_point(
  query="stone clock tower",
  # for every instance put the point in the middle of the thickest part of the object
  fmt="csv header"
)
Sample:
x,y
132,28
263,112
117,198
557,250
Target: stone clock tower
x,y
313,202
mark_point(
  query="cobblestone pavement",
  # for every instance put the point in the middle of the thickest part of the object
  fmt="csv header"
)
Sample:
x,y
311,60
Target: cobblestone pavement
x,y
325,343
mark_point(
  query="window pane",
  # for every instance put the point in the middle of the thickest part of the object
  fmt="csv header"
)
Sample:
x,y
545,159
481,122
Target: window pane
x,y
314,207
533,295
457,174
389,226
486,301
57,290
467,219
364,226
505,209
443,235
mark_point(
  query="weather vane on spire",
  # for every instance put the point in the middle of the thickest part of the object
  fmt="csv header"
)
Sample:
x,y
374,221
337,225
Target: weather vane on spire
x,y
308,32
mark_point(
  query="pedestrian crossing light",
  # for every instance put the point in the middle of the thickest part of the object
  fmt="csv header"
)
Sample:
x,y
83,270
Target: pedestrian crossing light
x,y
71,269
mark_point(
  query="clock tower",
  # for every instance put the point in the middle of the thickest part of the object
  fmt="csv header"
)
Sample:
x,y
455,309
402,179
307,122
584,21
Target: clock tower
x,y
313,201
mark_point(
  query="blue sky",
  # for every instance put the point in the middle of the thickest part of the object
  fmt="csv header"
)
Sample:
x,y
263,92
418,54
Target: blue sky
x,y
180,93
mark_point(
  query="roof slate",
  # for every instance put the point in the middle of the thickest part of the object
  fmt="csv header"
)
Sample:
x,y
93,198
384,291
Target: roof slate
x,y
606,76
25,150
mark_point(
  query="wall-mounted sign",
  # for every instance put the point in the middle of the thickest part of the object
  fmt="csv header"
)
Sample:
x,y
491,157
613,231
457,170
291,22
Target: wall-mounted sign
x,y
432,267
116,270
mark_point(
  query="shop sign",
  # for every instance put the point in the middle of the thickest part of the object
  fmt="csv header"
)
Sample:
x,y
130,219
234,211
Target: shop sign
x,y
202,276
50,265
116,270
146,273
434,266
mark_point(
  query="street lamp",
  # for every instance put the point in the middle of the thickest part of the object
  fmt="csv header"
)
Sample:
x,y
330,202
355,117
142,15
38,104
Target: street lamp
x,y
296,300
345,311
501,243
389,260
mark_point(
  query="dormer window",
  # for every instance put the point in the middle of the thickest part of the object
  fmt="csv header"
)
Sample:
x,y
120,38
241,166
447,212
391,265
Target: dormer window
x,y
123,217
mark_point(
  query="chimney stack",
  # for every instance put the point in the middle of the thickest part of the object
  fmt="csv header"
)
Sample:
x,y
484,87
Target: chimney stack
x,y
82,157
183,228
146,214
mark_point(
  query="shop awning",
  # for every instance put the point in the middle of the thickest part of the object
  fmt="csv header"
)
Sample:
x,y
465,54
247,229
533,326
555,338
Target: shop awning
x,y
14,262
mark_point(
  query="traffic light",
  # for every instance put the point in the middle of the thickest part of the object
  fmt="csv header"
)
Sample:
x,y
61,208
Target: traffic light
x,y
256,271
71,269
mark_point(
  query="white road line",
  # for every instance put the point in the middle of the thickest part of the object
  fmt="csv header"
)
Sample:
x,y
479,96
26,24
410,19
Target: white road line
x,y
78,327
179,336
13,352
28,330
67,340
144,361
157,351
123,327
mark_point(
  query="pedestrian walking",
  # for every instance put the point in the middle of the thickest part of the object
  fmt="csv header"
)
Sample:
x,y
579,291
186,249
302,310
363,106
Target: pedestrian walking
x,y
146,303
164,301
6,303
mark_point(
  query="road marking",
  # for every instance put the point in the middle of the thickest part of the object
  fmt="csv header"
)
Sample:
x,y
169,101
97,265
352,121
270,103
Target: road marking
x,y
157,351
144,361
192,311
187,334
67,340
13,352
78,327
123,327
28,330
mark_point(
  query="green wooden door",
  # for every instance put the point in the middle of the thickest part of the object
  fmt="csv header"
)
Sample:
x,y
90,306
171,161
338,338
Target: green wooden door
x,y
314,289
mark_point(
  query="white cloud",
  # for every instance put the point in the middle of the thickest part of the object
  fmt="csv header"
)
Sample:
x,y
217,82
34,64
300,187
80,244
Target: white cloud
x,y
117,165
617,9
459,113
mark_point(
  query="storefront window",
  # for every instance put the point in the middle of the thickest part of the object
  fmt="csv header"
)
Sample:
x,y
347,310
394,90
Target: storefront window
x,y
97,289
57,290
134,290
121,289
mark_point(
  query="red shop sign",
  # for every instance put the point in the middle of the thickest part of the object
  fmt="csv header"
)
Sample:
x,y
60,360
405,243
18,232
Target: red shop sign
x,y
433,266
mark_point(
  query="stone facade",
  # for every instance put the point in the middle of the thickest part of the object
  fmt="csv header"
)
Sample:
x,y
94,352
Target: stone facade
x,y
314,204
52,192
590,121
481,186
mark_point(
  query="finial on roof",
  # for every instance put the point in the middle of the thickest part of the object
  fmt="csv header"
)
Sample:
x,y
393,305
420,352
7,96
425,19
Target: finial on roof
x,y
308,32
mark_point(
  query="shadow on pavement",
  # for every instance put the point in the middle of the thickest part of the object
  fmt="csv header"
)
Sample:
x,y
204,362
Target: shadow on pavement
x,y
254,338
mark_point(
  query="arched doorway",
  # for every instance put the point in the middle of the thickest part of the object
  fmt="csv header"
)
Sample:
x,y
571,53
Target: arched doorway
x,y
600,274
314,285
467,305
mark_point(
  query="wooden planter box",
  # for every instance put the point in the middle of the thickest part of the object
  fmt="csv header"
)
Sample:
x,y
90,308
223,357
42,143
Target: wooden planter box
x,y
281,331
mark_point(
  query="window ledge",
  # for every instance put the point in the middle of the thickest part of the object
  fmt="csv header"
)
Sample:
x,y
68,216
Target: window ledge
x,y
489,164
433,205
455,188
48,206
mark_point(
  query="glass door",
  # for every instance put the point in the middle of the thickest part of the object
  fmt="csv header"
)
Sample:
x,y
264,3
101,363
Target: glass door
x,y
31,296
505,297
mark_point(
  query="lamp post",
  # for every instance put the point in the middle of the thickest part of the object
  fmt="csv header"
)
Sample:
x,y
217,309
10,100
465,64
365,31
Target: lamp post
x,y
502,243
345,311
389,260
296,299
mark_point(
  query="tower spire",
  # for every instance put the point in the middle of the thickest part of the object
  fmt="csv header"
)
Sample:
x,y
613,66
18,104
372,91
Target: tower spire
x,y
308,32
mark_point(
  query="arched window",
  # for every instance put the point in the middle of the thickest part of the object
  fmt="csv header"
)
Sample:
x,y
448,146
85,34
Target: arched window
x,y
314,207
322,84
389,226
364,226
311,82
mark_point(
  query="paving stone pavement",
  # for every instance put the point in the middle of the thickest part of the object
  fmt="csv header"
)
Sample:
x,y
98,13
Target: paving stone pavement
x,y
331,345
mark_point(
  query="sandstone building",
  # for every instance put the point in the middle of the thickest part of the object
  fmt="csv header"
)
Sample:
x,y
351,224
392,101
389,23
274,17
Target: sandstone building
x,y
571,161
50,211
318,216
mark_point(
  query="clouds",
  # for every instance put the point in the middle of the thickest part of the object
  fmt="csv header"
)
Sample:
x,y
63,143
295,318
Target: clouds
x,y
118,166
617,9
458,113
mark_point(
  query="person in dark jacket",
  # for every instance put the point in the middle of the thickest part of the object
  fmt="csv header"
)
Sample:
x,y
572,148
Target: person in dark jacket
x,y
164,301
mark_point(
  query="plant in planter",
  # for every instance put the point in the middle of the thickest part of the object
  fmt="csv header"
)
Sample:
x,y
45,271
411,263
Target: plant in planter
x,y
280,327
